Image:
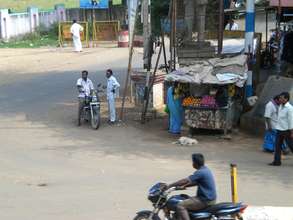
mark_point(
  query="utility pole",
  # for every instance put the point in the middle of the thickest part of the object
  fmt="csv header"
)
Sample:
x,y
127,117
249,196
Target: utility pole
x,y
174,29
93,23
250,25
147,54
249,42
171,16
133,8
146,33
221,27
279,37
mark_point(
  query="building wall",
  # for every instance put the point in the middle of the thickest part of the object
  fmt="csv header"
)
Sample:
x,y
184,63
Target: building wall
x,y
47,18
212,19
17,24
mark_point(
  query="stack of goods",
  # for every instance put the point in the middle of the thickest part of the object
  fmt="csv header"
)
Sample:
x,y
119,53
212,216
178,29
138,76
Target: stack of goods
x,y
206,101
191,102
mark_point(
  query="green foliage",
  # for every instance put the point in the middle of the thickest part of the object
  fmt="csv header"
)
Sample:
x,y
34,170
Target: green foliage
x,y
212,15
21,5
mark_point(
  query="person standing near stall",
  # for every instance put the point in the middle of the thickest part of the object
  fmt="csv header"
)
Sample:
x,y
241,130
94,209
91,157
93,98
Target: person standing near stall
x,y
232,26
112,90
284,127
271,121
174,103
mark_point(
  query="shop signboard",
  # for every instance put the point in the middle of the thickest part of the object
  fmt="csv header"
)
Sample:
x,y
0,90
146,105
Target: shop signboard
x,y
92,4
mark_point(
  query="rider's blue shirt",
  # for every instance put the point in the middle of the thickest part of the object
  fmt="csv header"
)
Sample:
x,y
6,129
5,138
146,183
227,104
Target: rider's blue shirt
x,y
204,179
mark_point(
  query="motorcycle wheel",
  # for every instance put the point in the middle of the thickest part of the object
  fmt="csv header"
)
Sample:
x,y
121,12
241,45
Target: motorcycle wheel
x,y
95,121
79,118
145,216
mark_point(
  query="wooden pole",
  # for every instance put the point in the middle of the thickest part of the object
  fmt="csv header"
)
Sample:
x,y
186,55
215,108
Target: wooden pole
x,y
128,69
127,79
145,108
147,48
60,35
83,14
156,67
146,32
267,30
174,34
110,11
279,37
171,34
164,52
221,27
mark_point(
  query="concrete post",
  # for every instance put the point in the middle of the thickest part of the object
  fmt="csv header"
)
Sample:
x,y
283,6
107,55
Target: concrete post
x,y
60,12
200,15
249,41
189,18
249,25
146,33
4,24
33,17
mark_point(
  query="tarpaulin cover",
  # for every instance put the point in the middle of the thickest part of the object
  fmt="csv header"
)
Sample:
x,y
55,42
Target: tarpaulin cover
x,y
234,46
232,70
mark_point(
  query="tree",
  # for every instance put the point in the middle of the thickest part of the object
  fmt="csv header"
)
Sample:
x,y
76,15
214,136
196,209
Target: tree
x,y
159,10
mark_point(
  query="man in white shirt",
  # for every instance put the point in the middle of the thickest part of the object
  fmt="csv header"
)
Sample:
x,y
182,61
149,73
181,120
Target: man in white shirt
x,y
85,88
232,26
271,113
271,120
75,30
112,91
284,127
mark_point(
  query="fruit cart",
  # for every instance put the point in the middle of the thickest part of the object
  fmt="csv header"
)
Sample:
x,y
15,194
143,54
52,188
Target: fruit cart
x,y
214,88
207,113
208,116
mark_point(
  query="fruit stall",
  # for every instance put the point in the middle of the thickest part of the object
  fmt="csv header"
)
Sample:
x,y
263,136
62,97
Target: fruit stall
x,y
213,92
209,112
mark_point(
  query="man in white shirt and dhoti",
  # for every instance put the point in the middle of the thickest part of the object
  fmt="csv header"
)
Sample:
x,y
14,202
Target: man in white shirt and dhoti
x,y
75,30
112,93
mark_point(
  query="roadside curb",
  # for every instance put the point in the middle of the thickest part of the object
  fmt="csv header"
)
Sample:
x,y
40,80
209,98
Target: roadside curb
x,y
268,213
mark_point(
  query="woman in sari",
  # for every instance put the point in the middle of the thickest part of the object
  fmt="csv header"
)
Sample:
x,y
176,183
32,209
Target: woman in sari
x,y
175,108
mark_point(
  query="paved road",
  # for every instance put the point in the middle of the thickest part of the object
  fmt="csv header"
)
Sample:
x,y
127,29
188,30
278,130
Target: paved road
x,y
51,169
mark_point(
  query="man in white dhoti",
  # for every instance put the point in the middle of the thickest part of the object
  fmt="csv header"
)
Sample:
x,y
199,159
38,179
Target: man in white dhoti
x,y
75,30
112,93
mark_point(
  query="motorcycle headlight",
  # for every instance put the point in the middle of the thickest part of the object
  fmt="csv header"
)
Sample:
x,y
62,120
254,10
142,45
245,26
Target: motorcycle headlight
x,y
153,197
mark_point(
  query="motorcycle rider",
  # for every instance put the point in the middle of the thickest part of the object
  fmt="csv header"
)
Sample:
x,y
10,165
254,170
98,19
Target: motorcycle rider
x,y
85,88
206,192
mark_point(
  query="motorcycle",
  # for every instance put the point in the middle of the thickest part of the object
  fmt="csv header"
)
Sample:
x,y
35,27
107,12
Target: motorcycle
x,y
163,202
91,110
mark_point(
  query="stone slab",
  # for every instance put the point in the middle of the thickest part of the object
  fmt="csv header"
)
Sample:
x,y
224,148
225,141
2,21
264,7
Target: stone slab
x,y
253,121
